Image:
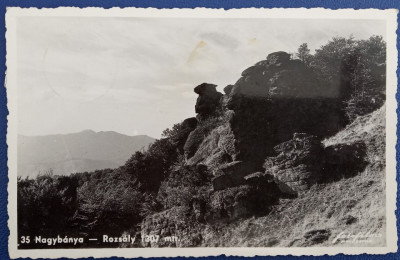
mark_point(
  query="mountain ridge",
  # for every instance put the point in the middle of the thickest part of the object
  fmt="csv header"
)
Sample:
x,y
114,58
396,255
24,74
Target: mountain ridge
x,y
86,131
76,152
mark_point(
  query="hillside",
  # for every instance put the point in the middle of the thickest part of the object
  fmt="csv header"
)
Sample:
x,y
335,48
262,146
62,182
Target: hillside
x,y
273,163
318,215
77,152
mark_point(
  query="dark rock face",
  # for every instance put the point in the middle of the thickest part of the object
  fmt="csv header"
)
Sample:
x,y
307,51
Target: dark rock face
x,y
344,160
298,163
228,89
276,98
189,123
257,177
243,201
187,126
278,57
303,161
232,174
208,100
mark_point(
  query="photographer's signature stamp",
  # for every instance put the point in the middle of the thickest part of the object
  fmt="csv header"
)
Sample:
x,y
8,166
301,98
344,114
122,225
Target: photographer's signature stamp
x,y
350,237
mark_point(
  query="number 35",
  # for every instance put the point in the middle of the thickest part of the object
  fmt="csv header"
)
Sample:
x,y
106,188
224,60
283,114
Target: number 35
x,y
25,240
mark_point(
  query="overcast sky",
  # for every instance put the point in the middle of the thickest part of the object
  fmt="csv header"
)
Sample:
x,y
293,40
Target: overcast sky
x,y
136,75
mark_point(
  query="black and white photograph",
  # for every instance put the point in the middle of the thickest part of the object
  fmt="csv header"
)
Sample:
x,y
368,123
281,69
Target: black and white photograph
x,y
177,129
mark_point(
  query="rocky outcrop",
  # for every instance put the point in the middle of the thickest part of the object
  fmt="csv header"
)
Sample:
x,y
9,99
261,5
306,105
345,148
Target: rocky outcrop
x,y
303,161
276,98
298,163
232,174
275,116
216,149
273,99
209,102
344,160
278,57
186,127
208,99
228,89
243,201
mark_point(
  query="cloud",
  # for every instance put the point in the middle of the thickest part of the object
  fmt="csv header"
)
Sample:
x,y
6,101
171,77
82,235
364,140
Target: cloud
x,y
144,70
223,39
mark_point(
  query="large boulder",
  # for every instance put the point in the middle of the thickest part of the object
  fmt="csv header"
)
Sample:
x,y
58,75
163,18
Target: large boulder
x,y
298,163
304,161
208,99
344,160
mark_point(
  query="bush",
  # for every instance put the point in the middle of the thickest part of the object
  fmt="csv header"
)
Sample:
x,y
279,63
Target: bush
x,y
152,167
356,68
46,204
197,136
184,185
111,204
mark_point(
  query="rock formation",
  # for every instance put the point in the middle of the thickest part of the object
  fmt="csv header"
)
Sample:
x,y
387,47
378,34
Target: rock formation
x,y
249,148
276,98
298,163
232,174
208,100
303,161
344,160
186,127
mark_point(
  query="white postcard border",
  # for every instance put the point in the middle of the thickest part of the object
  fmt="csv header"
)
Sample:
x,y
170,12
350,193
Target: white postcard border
x,y
390,16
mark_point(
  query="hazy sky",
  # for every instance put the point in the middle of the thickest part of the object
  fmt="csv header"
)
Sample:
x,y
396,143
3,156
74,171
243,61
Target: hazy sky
x,y
136,75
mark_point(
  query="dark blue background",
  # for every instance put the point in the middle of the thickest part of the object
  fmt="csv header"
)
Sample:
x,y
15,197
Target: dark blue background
x,y
226,4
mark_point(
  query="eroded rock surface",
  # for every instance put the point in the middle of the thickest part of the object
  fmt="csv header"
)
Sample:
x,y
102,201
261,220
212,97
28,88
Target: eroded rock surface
x,y
216,149
298,162
232,174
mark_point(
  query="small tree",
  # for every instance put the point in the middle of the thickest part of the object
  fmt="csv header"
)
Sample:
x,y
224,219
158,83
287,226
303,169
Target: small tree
x,y
303,53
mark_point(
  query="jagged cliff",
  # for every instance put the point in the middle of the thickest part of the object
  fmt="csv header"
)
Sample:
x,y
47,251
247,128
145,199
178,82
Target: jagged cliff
x,y
274,143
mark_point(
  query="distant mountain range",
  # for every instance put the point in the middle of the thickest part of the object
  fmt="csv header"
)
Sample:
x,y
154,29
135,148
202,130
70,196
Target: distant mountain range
x,y
78,152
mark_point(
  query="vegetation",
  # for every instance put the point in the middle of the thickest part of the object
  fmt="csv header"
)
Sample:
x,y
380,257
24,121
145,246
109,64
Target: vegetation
x,y
355,67
350,205
115,200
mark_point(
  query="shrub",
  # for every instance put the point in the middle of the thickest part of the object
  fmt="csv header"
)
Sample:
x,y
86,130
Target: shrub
x,y
110,204
184,185
356,68
46,204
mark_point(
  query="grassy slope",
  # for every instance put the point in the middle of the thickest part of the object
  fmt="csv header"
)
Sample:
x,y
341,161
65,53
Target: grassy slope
x,y
354,205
